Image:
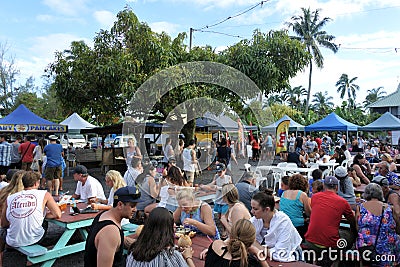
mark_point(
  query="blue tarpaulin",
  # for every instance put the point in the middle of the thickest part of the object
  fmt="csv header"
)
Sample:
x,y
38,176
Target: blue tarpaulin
x,y
22,120
331,123
386,122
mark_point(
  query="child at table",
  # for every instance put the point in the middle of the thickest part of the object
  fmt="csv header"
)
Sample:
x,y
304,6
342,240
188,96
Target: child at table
x,y
221,178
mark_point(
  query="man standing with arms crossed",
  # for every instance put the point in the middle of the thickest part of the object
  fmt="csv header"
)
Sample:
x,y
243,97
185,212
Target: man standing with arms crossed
x,y
105,242
54,153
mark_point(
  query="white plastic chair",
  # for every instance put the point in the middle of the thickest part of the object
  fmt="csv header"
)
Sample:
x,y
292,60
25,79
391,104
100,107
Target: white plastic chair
x,y
326,173
345,163
282,164
277,174
291,165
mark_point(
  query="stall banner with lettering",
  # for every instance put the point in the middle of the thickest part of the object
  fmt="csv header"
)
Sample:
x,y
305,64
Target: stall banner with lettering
x,y
281,136
33,128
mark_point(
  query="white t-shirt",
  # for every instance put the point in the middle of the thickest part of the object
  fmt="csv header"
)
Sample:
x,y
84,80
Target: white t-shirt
x,y
281,236
3,184
187,160
92,188
25,214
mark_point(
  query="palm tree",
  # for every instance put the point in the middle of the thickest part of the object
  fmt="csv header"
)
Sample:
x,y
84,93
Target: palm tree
x,y
309,31
345,85
374,95
322,103
293,95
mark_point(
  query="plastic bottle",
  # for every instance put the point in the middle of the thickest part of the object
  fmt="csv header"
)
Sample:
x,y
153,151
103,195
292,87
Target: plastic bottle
x,y
73,202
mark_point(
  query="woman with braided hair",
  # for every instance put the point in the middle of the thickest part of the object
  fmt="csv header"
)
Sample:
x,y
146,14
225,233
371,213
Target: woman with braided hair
x,y
234,252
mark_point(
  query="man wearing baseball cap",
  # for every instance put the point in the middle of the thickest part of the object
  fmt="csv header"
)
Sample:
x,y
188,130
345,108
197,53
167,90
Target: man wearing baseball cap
x,y
106,241
88,188
327,210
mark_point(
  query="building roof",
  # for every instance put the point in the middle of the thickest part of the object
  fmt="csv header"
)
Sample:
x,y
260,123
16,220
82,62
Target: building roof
x,y
392,100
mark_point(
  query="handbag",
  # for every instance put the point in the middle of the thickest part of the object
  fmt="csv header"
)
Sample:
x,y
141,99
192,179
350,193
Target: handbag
x,y
35,165
371,255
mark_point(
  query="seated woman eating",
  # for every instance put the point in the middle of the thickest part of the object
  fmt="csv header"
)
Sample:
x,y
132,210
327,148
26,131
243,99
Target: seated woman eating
x,y
195,214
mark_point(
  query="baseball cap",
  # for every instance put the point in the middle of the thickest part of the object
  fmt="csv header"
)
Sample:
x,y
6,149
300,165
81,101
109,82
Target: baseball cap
x,y
340,172
381,180
331,180
172,160
128,194
80,169
220,167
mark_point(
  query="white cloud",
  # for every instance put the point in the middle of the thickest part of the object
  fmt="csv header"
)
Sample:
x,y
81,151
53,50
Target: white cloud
x,y
69,8
44,17
104,18
42,52
165,26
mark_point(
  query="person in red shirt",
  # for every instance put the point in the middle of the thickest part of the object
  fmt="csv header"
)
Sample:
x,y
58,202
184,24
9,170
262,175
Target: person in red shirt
x,y
327,211
318,140
26,152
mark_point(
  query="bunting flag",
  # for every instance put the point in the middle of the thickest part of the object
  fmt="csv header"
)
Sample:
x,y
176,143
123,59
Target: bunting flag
x,y
282,132
251,133
240,138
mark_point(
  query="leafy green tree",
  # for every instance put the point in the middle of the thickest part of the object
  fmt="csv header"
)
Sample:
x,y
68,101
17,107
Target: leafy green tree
x,y
374,95
269,59
347,86
309,29
322,103
8,75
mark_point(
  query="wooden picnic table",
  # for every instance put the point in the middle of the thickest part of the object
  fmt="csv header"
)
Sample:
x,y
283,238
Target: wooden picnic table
x,y
71,224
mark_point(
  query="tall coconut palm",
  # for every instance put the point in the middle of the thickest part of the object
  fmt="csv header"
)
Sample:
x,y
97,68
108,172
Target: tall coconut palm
x,y
374,95
308,29
347,86
322,103
294,94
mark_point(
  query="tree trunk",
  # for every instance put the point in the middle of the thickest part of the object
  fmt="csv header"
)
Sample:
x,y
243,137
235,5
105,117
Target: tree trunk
x,y
309,90
188,131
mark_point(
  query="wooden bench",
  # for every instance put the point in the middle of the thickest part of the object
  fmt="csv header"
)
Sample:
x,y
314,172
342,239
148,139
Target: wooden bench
x,y
32,250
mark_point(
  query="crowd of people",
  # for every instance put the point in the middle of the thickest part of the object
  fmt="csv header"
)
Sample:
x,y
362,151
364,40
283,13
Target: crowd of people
x,y
246,223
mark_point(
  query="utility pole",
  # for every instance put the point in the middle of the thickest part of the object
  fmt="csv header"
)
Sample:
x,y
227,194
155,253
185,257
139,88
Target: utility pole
x,y
190,38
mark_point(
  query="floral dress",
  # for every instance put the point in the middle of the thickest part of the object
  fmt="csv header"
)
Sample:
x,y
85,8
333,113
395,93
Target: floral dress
x,y
388,242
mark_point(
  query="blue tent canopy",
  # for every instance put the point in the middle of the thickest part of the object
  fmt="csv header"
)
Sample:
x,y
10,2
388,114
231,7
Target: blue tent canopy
x,y
386,122
22,120
293,126
332,122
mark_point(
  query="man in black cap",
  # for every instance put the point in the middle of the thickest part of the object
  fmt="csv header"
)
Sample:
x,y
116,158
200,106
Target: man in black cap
x,y
106,241
88,188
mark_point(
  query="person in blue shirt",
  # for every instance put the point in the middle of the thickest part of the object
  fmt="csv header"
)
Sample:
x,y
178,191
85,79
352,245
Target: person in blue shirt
x,y
54,153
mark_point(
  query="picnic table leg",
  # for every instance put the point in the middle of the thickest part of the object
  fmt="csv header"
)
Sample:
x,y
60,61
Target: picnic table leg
x,y
47,261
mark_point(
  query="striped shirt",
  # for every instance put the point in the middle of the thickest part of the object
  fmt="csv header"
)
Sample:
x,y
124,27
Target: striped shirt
x,y
5,154
163,259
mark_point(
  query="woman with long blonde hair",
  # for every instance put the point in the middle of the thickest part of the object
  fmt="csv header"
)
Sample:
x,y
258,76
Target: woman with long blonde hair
x,y
115,181
13,187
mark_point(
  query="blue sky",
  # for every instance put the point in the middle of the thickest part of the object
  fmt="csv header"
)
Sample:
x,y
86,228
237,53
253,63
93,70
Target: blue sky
x,y
367,31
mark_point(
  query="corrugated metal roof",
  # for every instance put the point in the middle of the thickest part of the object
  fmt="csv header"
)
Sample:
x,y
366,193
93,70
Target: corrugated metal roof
x,y
392,100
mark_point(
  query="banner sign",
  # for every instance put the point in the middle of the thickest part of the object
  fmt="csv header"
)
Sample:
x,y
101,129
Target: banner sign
x,y
282,132
33,128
